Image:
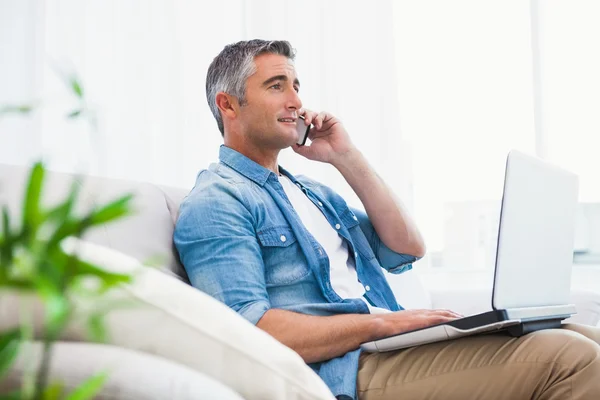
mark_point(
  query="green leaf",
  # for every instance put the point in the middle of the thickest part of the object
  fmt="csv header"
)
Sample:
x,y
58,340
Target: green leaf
x,y
97,328
14,395
75,113
76,86
89,388
79,269
62,211
75,227
58,312
9,348
69,227
32,212
56,303
18,284
5,221
6,242
112,210
53,391
16,109
108,278
46,283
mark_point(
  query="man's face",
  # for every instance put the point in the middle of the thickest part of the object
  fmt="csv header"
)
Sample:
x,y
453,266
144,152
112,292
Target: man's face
x,y
271,112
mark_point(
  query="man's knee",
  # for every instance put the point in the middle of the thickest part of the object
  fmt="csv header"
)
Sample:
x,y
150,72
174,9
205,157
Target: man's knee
x,y
560,347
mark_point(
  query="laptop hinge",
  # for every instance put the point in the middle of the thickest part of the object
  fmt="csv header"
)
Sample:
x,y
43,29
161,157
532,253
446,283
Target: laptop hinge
x,y
544,312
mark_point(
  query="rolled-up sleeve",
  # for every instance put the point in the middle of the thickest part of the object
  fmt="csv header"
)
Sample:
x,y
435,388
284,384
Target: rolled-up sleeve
x,y
393,262
217,245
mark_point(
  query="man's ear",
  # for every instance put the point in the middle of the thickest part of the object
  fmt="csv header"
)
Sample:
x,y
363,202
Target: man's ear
x,y
227,104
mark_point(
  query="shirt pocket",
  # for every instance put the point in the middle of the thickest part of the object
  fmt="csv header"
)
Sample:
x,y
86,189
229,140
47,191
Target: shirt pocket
x,y
282,256
361,244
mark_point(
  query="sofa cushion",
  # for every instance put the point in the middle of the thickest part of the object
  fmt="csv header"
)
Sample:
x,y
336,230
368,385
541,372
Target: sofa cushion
x,y
130,374
145,235
174,197
173,320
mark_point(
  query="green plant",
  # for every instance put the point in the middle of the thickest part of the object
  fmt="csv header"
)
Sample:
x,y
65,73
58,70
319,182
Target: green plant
x,y
33,262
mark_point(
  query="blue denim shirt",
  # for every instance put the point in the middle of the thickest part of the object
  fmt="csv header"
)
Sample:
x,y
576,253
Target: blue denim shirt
x,y
241,241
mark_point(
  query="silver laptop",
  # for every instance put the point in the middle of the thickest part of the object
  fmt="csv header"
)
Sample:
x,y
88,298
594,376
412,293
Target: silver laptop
x,y
534,254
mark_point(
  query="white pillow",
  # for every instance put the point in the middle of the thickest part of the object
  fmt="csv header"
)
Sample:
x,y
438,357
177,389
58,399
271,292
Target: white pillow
x,y
178,322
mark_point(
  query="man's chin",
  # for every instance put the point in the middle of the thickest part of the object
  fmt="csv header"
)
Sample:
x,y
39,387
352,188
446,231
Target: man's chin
x,y
279,139
287,139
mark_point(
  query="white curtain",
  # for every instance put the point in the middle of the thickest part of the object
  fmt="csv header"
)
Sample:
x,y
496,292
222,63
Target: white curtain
x,y
434,92
143,65
569,87
465,90
20,76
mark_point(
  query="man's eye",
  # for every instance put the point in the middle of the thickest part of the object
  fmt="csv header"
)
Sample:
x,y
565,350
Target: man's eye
x,y
297,89
276,86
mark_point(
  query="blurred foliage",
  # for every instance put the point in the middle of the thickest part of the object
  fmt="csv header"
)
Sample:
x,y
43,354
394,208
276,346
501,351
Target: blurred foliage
x,y
32,261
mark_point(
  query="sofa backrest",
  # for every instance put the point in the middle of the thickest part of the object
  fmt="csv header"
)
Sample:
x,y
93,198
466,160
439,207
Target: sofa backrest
x,y
149,233
145,235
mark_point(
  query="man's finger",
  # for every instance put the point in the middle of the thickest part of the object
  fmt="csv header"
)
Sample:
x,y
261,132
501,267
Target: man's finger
x,y
319,120
307,114
314,133
310,116
451,313
300,149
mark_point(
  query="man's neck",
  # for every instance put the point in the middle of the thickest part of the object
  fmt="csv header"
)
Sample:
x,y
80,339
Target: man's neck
x,y
264,157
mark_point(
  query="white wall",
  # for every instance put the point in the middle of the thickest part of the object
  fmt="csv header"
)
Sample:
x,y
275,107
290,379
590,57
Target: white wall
x,y
20,76
569,54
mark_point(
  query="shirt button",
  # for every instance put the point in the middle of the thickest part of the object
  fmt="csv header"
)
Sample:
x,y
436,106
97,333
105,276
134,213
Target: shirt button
x,y
354,216
367,288
297,184
283,238
355,255
320,252
337,226
320,204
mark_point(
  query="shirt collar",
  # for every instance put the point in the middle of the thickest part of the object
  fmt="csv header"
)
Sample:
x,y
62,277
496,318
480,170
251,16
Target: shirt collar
x,y
243,165
283,171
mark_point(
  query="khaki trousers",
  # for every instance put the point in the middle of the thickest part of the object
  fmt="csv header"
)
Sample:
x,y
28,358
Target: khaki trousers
x,y
550,364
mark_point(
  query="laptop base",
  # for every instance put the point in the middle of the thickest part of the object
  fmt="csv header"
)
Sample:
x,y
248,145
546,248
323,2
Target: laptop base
x,y
513,322
531,326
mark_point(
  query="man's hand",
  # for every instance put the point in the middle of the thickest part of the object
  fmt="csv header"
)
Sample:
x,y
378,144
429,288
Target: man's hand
x,y
410,320
329,138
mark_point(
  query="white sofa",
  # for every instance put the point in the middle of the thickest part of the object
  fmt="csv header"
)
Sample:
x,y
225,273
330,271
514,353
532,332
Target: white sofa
x,y
161,354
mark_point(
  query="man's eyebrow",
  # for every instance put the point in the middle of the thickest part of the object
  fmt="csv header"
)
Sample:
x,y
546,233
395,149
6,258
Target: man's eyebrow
x,y
279,78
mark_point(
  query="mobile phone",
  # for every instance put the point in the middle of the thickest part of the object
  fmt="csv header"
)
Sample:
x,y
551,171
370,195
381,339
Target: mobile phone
x,y
302,130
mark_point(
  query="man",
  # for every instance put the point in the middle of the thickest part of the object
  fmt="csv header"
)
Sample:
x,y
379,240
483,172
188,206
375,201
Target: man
x,y
290,256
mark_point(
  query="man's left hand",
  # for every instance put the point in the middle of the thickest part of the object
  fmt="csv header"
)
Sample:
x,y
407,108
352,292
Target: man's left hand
x,y
330,141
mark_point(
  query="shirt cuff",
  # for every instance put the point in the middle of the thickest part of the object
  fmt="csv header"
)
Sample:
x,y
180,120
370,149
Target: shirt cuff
x,y
254,311
401,268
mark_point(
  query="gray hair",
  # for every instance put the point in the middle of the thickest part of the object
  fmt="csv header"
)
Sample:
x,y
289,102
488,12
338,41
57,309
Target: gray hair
x,y
229,70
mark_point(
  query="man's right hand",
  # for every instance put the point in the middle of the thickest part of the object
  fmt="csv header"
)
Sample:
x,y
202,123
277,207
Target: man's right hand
x,y
410,320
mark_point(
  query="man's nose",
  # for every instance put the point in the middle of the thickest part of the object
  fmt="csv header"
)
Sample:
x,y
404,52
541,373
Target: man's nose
x,y
294,102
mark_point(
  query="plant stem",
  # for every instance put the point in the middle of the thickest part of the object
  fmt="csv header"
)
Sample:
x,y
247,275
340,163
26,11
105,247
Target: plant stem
x,y
42,375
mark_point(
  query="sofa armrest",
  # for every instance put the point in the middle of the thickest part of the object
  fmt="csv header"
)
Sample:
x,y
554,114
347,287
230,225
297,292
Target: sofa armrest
x,y
130,374
170,319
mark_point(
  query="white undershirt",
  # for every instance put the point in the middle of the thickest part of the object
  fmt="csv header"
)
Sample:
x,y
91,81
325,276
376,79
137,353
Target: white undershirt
x,y
343,277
